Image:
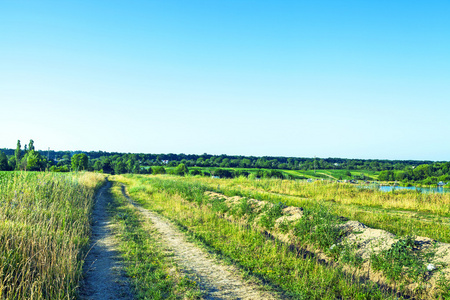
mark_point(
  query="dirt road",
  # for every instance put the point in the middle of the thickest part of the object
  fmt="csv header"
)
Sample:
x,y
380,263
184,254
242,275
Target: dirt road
x,y
217,281
103,273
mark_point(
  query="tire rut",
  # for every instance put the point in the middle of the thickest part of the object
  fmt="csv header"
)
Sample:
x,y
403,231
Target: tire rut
x,y
104,277
215,280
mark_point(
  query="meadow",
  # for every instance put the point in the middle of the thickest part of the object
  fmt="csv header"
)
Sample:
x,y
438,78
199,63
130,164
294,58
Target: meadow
x,y
308,253
331,174
44,232
310,266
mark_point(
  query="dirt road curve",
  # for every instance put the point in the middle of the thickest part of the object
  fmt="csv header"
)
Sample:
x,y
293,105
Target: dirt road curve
x,y
216,281
104,278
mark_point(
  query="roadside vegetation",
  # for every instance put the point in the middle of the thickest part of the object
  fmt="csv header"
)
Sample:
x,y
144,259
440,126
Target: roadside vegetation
x,y
44,232
315,265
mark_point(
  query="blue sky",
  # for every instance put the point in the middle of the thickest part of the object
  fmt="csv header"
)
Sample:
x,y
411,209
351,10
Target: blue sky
x,y
353,79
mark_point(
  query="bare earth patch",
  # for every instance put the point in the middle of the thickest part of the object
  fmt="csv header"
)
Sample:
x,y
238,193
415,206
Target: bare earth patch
x,y
217,281
104,277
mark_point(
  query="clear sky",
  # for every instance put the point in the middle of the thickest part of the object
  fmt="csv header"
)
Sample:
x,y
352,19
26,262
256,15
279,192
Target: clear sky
x,y
351,79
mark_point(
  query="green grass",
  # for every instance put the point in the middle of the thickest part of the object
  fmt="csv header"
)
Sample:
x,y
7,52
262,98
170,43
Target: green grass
x,y
298,174
151,272
44,233
403,213
404,261
301,276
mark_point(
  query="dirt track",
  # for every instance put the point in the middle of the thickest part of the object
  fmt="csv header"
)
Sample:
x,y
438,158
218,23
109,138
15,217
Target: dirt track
x,y
103,274
216,281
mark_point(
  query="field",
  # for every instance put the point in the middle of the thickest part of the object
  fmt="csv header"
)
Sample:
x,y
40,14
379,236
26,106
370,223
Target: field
x,y
312,257
300,174
291,239
44,231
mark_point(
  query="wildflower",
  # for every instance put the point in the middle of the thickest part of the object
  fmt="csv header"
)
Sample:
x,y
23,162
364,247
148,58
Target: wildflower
x,y
332,246
431,267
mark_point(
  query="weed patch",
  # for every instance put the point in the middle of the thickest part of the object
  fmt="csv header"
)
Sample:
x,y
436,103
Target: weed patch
x,y
404,261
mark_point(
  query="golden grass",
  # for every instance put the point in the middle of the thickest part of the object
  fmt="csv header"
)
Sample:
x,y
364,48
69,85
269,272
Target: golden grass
x,y
44,226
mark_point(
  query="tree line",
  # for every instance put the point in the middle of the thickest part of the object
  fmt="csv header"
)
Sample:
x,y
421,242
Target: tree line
x,y
31,159
229,161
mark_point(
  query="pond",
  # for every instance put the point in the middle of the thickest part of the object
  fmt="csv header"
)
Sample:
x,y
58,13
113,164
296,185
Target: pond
x,y
389,188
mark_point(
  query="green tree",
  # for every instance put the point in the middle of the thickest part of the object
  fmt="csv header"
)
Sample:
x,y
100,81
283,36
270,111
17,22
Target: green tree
x,y
33,161
119,167
3,162
181,170
12,162
158,170
80,162
18,155
31,145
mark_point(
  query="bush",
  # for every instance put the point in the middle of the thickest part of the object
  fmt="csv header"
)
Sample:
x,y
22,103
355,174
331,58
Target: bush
x,y
195,172
181,170
158,170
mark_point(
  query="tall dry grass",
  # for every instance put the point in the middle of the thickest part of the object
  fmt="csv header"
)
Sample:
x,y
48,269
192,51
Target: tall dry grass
x,y
44,231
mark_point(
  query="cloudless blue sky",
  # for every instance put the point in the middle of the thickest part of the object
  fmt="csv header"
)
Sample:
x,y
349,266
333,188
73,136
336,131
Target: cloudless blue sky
x,y
351,79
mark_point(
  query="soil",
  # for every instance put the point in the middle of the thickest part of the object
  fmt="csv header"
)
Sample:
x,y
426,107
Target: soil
x,y
215,279
104,276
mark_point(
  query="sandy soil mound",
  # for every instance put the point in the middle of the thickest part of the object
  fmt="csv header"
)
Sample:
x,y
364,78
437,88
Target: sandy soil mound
x,y
366,240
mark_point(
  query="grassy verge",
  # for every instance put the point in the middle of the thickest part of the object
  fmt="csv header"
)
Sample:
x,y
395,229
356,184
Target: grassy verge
x,y
152,273
299,275
44,232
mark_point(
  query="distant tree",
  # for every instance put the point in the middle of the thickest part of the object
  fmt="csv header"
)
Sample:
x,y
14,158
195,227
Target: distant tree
x,y
33,161
31,145
274,174
98,166
119,167
136,168
107,166
18,155
421,172
195,172
223,173
158,170
181,170
79,162
243,173
3,162
12,162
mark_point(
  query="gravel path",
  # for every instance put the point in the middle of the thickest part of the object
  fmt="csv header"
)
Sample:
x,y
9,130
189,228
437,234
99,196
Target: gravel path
x,y
103,274
217,281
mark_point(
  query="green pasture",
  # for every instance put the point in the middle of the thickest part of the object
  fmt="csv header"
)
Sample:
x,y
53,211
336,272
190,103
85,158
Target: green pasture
x,y
299,174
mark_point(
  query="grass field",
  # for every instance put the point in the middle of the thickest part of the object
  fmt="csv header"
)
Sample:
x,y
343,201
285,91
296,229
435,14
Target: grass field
x,y
300,174
44,231
45,227
301,275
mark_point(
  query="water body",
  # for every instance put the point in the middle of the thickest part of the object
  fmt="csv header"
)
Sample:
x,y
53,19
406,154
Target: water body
x,y
389,188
